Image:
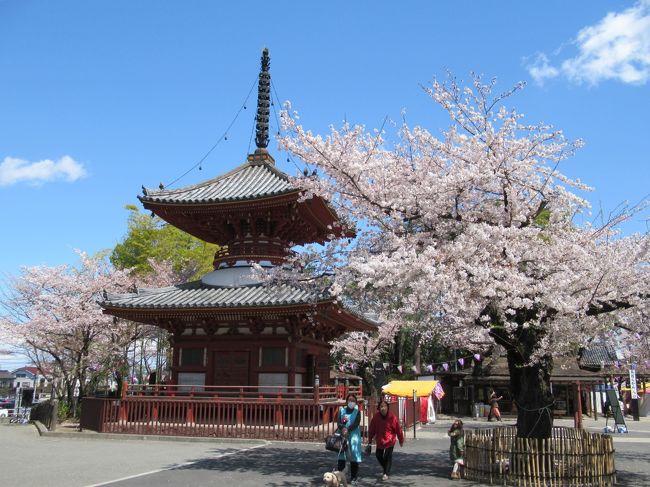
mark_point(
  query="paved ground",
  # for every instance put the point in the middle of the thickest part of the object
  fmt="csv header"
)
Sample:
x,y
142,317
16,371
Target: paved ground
x,y
88,460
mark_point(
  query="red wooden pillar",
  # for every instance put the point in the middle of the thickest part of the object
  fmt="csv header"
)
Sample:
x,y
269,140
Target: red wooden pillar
x,y
326,414
123,414
240,413
577,417
279,417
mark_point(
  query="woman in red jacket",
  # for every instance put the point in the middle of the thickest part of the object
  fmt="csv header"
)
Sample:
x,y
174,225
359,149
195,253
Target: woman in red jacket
x,y
386,430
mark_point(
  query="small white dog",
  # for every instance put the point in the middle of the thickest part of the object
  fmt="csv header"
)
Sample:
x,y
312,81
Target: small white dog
x,y
335,479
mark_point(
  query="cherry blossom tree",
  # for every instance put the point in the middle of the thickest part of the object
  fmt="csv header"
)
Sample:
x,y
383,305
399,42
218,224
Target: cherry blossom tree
x,y
52,315
476,239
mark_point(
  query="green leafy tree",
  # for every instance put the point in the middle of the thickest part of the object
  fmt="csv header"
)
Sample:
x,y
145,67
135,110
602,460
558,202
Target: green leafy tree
x,y
151,238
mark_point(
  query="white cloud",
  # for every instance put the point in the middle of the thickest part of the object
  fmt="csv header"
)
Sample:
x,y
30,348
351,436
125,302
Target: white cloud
x,y
13,171
540,69
616,48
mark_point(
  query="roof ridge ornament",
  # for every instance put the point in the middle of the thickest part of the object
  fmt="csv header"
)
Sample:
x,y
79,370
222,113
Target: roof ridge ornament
x,y
263,105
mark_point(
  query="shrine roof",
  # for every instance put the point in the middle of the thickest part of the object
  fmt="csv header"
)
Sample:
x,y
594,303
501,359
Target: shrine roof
x,y
251,180
598,355
199,295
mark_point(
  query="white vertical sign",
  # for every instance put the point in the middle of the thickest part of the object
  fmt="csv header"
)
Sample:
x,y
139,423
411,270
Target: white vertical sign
x,y
635,394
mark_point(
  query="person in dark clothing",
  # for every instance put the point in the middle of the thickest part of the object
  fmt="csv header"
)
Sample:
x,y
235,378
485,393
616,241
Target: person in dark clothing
x,y
607,408
386,430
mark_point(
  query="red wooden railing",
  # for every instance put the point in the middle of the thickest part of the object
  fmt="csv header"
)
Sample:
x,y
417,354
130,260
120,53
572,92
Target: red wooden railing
x,y
289,420
276,413
227,412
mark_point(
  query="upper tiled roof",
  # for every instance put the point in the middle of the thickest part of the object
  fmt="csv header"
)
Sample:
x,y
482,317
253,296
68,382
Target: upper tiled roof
x,y
198,295
251,180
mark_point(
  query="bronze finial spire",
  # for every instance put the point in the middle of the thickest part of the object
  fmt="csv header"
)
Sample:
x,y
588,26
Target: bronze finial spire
x,y
263,104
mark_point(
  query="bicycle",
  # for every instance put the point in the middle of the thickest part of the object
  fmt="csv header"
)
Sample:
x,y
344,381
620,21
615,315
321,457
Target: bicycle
x,y
21,417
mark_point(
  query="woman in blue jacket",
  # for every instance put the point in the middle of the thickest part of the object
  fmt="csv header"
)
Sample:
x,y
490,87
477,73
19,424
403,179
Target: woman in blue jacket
x,y
349,419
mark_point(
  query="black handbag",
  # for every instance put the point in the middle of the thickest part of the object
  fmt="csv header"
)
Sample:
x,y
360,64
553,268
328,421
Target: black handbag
x,y
334,443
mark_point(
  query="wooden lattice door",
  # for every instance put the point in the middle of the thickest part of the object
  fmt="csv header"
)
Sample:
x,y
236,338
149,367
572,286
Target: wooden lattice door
x,y
231,368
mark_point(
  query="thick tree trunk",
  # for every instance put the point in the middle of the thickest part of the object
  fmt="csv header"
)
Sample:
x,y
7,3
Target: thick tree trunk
x,y
531,387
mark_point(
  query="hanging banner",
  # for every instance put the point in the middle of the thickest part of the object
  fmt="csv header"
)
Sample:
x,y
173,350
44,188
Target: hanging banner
x,y
633,389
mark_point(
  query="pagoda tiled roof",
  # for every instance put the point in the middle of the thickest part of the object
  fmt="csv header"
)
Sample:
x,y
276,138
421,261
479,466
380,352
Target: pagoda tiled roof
x,y
199,295
251,180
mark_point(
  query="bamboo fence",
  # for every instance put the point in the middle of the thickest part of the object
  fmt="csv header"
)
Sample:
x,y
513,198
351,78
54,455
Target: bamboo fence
x,y
570,457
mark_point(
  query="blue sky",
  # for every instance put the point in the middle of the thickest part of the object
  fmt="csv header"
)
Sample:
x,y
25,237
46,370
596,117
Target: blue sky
x,y
98,98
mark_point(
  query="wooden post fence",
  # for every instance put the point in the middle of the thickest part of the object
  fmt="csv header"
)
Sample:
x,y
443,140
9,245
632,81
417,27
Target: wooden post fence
x,y
569,457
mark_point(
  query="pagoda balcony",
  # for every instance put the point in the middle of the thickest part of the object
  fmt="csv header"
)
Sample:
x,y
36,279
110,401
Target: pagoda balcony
x,y
251,249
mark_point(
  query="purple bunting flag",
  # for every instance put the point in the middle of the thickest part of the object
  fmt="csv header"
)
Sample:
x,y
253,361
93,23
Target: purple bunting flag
x,y
445,366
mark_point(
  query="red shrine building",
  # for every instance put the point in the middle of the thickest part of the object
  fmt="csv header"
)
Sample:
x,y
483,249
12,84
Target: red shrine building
x,y
229,328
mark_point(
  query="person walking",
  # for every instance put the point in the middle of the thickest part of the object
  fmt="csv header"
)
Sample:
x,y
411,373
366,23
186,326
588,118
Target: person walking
x,y
348,420
456,448
494,405
386,430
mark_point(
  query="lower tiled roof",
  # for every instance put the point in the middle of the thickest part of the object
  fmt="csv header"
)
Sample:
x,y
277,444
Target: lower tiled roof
x,y
198,295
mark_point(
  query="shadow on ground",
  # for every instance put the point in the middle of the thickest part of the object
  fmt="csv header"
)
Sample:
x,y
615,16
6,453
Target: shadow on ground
x,y
412,468
628,466
409,468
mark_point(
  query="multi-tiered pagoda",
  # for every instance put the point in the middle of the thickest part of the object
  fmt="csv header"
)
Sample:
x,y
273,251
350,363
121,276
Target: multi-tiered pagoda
x,y
228,328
